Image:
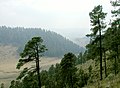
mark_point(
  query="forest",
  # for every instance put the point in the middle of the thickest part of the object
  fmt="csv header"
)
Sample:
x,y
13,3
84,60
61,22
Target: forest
x,y
97,67
18,36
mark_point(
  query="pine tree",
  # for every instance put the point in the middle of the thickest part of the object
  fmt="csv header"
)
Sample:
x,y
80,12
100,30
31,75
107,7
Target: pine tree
x,y
32,52
97,17
68,70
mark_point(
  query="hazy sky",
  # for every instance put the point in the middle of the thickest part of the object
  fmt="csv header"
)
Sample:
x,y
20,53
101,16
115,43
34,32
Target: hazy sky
x,y
67,17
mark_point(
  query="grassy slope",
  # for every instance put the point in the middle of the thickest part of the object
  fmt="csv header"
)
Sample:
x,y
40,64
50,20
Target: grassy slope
x,y
111,81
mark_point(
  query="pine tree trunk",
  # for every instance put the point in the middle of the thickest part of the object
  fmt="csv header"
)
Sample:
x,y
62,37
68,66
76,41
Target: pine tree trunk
x,y
105,64
118,53
116,59
38,69
115,66
71,81
100,50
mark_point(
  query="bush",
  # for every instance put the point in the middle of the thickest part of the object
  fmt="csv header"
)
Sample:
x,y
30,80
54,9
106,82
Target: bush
x,y
110,76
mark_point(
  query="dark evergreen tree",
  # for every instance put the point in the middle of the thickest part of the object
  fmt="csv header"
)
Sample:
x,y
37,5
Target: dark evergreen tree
x,y
68,70
97,17
58,76
16,84
32,52
44,77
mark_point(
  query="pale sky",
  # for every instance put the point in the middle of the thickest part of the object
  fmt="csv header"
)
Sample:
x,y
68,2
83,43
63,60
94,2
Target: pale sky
x,y
67,17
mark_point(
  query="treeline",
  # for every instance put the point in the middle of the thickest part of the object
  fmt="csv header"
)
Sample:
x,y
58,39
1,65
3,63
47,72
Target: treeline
x,y
62,75
56,44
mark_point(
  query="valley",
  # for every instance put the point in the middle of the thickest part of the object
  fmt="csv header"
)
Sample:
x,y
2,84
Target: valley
x,y
9,59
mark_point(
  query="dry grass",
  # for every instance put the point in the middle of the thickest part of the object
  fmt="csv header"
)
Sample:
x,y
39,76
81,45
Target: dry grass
x,y
9,59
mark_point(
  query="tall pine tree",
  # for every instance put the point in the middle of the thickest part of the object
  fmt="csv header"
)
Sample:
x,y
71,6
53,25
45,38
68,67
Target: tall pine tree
x,y
97,17
32,52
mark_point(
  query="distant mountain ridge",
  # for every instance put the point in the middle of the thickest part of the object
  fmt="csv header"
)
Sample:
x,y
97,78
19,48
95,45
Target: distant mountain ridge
x,y
57,45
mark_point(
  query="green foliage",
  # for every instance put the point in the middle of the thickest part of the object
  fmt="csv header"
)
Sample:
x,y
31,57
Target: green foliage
x,y
15,84
97,17
90,70
44,77
83,78
28,81
59,76
32,48
116,4
112,36
51,70
79,59
32,52
68,70
110,76
52,77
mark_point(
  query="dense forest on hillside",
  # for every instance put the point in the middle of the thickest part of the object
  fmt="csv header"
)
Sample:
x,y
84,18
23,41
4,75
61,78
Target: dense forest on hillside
x,y
56,44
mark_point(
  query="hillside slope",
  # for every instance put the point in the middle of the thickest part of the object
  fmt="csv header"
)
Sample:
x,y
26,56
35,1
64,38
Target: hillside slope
x,y
111,81
9,60
57,45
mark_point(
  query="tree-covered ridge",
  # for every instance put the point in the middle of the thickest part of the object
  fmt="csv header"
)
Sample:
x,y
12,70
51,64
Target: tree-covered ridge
x,y
56,44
